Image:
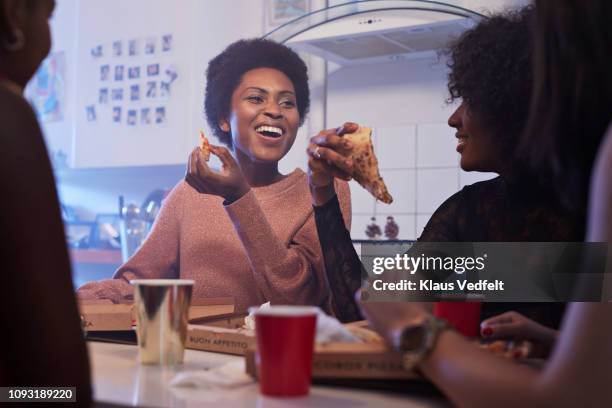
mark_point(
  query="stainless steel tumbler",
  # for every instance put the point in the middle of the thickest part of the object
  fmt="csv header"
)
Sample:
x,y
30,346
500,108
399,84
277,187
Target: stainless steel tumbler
x,y
162,308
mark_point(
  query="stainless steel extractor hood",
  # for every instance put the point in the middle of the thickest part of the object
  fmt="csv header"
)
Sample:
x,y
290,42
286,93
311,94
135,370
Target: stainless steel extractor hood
x,y
377,30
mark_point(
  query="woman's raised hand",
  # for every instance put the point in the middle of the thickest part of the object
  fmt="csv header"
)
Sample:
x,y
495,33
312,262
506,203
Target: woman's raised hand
x,y
228,183
329,157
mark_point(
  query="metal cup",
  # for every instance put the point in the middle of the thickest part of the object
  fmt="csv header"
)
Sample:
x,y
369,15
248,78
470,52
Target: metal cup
x,y
162,308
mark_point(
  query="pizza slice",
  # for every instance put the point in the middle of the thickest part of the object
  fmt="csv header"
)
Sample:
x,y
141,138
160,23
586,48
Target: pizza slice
x,y
204,146
365,164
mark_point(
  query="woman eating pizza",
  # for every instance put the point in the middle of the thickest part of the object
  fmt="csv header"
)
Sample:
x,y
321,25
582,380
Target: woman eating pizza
x,y
246,230
490,73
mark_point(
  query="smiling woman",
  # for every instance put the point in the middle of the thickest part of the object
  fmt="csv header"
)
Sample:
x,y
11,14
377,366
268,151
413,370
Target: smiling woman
x,y
246,230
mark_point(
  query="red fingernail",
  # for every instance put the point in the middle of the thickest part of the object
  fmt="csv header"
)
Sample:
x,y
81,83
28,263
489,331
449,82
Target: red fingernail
x,y
487,331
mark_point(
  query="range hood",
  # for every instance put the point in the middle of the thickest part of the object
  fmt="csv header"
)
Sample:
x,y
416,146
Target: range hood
x,y
374,31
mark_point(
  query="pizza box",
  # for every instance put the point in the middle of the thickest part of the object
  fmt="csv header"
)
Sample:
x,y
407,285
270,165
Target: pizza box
x,y
103,315
222,334
369,360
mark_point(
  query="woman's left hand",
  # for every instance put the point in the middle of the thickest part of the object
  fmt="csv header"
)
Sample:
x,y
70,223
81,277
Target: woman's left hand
x,y
228,183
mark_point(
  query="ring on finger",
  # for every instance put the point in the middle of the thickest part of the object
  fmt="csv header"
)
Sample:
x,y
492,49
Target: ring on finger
x,y
316,153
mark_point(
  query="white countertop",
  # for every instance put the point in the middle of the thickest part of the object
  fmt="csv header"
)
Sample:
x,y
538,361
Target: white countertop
x,y
119,378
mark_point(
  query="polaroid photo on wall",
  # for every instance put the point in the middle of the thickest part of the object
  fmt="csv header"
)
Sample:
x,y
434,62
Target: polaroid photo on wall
x,y
171,74
134,72
91,113
117,48
152,69
119,73
104,72
160,114
164,89
149,47
133,48
117,94
145,118
167,42
117,114
134,92
96,51
151,89
103,96
132,117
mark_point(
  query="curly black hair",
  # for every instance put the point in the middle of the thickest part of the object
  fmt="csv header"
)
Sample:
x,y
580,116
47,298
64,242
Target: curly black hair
x,y
225,72
491,71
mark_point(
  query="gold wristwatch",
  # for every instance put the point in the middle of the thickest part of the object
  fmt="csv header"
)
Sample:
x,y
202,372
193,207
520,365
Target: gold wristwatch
x,y
417,340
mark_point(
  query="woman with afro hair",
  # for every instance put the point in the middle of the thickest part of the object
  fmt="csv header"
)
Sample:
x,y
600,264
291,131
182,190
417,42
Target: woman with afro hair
x,y
245,231
491,74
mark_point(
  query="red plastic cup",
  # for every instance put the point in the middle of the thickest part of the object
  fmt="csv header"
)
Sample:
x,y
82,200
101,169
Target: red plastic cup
x,y
463,316
285,343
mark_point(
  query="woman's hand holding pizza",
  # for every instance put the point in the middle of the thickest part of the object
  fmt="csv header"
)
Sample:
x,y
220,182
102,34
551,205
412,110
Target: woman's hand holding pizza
x,y
228,183
329,157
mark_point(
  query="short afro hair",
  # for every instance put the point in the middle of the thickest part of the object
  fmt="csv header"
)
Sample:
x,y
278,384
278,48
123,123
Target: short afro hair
x,y
225,72
491,71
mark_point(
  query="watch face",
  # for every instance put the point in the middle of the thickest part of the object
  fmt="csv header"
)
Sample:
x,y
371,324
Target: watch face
x,y
413,338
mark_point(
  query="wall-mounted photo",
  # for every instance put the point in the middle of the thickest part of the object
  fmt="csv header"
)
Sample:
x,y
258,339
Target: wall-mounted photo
x,y
104,72
117,114
167,42
134,72
117,48
134,92
152,69
131,119
103,96
119,73
133,48
117,94
283,11
46,89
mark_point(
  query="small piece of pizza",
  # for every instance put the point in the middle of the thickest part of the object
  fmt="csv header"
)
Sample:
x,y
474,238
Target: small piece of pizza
x,y
365,164
204,146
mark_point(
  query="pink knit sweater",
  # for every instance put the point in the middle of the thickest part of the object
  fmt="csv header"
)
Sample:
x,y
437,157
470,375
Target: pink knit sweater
x,y
262,247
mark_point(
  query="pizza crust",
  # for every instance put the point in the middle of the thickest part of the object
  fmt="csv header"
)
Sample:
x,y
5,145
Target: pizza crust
x,y
204,146
365,164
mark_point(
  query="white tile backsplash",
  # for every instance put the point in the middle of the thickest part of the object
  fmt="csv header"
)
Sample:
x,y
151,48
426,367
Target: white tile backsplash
x,y
401,185
434,186
361,200
421,222
436,145
396,146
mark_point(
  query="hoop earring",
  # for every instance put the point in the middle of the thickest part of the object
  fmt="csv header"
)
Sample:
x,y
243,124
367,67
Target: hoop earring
x,y
17,43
